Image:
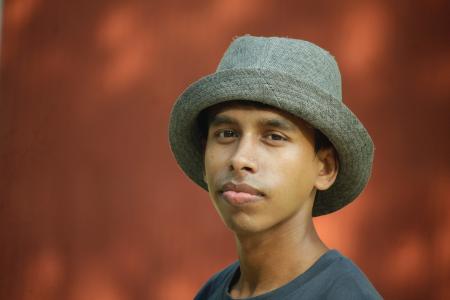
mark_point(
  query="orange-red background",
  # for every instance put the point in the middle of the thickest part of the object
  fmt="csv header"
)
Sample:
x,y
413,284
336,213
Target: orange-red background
x,y
92,203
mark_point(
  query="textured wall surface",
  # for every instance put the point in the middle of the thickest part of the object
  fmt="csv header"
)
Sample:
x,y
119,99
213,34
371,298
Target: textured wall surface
x,y
92,204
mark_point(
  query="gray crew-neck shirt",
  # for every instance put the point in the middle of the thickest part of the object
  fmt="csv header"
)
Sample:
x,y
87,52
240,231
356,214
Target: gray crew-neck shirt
x,y
332,276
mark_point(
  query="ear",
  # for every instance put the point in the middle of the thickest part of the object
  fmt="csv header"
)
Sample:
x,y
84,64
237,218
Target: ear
x,y
328,166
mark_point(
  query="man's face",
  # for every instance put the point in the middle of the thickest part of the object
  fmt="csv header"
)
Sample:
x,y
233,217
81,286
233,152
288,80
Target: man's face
x,y
260,167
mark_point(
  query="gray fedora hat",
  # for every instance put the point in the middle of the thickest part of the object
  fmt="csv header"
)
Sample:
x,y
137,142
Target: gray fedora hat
x,y
292,75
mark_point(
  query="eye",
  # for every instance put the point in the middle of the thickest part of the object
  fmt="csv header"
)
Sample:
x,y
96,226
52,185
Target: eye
x,y
226,133
275,137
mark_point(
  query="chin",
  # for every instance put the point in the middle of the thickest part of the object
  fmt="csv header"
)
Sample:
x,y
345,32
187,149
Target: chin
x,y
242,224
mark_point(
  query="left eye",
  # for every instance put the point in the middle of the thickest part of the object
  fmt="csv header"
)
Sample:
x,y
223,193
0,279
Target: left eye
x,y
276,137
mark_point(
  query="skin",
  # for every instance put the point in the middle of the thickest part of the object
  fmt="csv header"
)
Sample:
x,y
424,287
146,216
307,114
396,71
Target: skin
x,y
275,236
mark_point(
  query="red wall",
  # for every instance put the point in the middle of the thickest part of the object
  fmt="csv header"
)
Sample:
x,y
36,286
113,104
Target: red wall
x,y
92,203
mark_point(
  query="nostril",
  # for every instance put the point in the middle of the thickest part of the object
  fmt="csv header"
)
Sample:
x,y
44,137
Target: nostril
x,y
242,164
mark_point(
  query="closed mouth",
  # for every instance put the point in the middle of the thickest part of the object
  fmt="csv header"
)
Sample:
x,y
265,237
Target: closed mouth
x,y
241,188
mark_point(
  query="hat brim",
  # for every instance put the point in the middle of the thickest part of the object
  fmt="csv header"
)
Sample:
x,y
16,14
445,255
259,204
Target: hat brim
x,y
349,137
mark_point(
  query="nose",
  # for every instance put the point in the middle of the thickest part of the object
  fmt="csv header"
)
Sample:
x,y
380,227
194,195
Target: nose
x,y
243,159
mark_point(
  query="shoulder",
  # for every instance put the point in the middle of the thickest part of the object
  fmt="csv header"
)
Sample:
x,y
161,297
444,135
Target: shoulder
x,y
347,281
218,283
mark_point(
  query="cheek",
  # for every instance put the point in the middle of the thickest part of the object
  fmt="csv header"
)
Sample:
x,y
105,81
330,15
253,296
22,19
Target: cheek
x,y
291,173
213,162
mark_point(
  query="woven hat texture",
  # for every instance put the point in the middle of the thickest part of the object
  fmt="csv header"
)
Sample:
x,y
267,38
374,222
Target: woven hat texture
x,y
292,75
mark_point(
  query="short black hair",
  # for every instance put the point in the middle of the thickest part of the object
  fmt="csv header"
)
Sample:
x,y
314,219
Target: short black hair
x,y
321,141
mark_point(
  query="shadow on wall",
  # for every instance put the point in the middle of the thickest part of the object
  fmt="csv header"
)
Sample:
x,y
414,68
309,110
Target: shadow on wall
x,y
92,204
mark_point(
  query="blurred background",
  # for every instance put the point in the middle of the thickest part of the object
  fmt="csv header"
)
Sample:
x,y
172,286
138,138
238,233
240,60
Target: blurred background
x,y
92,203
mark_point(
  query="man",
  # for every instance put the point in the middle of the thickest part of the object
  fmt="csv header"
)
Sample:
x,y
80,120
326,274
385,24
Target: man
x,y
269,137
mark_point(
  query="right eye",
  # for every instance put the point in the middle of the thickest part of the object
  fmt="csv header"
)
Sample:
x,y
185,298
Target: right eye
x,y
226,133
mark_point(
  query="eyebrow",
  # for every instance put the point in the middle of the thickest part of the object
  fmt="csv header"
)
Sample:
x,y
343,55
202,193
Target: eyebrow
x,y
218,120
277,123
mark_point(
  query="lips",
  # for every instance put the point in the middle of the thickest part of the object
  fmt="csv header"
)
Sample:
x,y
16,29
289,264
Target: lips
x,y
239,194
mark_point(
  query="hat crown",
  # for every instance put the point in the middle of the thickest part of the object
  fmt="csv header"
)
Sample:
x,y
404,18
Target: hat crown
x,y
300,59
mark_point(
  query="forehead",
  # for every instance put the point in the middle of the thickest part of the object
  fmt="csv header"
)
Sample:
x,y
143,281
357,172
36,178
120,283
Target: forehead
x,y
235,108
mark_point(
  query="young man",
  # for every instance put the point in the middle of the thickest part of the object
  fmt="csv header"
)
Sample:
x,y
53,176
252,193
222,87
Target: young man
x,y
269,137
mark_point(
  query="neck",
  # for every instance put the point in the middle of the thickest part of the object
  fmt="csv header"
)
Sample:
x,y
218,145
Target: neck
x,y
272,258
